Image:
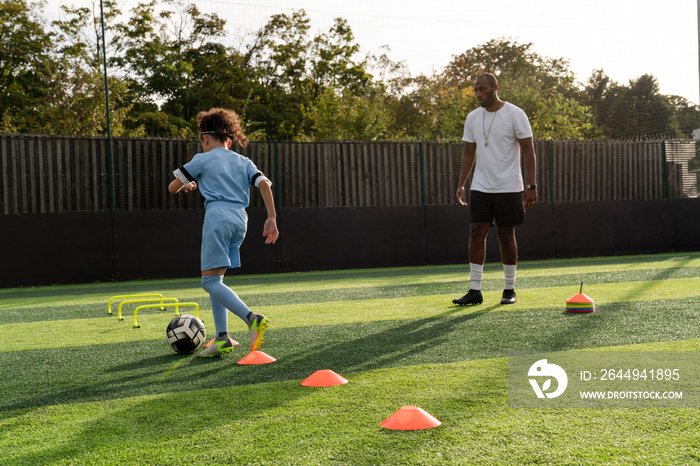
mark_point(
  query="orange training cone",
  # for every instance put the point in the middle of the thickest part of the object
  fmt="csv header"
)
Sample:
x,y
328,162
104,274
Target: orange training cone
x,y
580,303
257,357
233,342
324,378
410,418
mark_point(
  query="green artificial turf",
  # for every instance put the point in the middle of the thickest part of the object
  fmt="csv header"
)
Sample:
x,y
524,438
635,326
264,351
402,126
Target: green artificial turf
x,y
80,387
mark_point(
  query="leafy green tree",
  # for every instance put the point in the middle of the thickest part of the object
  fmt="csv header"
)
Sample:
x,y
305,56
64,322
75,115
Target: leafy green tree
x,y
350,117
167,62
434,110
272,96
79,36
686,115
648,114
292,71
75,105
173,56
332,60
25,63
637,110
280,51
75,101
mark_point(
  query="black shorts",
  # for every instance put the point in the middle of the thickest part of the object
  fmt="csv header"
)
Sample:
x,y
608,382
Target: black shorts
x,y
507,209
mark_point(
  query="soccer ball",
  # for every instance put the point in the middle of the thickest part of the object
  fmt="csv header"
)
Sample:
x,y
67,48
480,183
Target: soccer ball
x,y
186,333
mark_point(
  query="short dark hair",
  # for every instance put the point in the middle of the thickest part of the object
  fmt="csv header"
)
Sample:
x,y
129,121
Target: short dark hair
x,y
490,78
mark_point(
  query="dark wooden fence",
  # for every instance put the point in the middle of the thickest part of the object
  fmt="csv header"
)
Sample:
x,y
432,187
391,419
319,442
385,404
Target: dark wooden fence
x,y
50,174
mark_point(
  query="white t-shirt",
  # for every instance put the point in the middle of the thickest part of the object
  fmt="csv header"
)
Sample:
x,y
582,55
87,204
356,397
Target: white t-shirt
x,y
496,134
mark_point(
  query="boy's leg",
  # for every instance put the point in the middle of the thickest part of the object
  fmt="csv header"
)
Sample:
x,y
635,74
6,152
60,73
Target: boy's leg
x,y
257,323
214,285
222,343
220,316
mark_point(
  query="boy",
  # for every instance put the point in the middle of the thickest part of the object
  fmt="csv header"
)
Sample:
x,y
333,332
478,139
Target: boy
x,y
224,180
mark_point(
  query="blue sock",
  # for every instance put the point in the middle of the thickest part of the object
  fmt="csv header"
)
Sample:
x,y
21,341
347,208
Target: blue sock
x,y
214,285
220,316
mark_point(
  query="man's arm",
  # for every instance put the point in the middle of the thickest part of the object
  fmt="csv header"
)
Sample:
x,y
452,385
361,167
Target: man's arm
x,y
527,149
468,158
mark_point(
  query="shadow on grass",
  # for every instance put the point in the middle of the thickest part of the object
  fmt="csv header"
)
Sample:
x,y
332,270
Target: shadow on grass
x,y
650,278
585,324
101,372
88,373
173,376
150,368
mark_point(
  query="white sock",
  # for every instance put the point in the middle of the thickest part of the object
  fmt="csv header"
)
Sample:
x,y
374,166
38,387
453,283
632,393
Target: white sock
x,y
476,273
509,276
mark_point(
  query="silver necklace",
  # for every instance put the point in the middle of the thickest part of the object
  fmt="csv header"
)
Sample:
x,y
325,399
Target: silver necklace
x,y
483,126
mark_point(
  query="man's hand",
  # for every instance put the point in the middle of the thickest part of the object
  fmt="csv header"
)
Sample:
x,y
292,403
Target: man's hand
x,y
530,198
460,196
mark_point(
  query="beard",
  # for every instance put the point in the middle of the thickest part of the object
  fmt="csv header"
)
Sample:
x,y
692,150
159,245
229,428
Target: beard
x,y
488,100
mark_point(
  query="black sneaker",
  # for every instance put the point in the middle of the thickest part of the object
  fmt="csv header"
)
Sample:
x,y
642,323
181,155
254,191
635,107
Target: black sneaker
x,y
508,297
473,297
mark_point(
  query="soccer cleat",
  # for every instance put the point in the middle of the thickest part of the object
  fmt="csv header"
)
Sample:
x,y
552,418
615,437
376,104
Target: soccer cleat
x,y
257,326
473,297
216,347
508,297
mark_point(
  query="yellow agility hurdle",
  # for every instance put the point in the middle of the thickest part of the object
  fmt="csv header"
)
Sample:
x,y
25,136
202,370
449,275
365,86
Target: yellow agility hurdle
x,y
126,296
146,300
175,305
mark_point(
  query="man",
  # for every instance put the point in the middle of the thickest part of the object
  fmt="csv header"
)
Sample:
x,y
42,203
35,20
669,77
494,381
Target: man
x,y
495,136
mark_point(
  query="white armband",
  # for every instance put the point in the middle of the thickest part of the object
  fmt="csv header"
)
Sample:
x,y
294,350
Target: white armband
x,y
181,176
260,178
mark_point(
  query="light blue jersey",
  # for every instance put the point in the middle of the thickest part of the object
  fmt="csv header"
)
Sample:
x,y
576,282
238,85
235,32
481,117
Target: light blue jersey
x,y
224,178
222,175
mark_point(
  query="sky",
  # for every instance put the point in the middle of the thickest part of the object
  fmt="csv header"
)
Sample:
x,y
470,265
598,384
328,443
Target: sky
x,y
625,38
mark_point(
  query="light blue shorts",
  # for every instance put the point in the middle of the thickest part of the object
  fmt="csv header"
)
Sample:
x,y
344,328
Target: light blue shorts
x,y
224,229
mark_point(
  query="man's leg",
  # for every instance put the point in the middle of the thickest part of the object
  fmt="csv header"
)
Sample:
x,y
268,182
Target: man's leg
x,y
477,256
477,242
509,257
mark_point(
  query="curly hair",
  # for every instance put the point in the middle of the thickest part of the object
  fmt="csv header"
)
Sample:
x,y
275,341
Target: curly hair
x,y
223,124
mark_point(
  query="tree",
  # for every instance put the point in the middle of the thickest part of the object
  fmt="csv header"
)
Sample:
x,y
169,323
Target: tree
x,y
637,110
173,56
25,63
332,65
350,117
75,98
434,110
167,62
75,104
685,115
80,34
292,71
